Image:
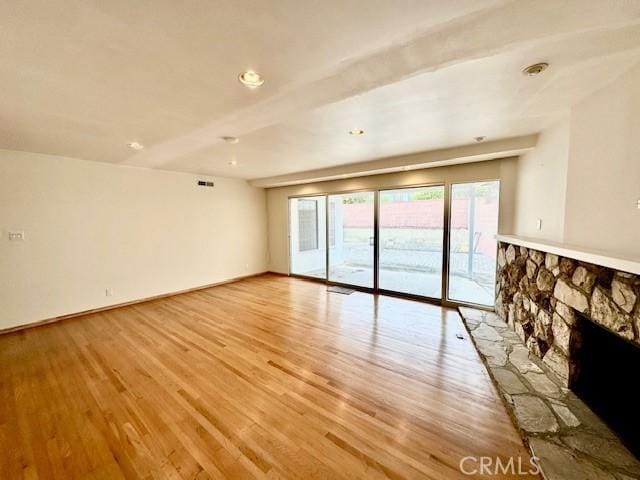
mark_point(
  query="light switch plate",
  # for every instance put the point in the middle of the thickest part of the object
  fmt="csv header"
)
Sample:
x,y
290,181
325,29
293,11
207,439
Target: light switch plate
x,y
539,224
16,236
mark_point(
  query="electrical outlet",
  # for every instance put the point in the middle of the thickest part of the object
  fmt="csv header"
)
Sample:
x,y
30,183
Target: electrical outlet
x,y
539,224
108,292
638,205
16,236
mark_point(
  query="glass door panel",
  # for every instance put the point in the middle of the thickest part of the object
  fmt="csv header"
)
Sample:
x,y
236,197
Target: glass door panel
x,y
307,236
411,226
472,244
351,238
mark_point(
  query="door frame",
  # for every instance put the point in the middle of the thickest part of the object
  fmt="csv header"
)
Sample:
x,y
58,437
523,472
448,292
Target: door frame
x,y
444,299
445,216
445,296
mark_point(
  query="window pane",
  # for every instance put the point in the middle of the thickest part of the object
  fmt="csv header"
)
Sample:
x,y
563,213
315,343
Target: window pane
x,y
411,236
308,224
332,224
307,232
351,229
472,253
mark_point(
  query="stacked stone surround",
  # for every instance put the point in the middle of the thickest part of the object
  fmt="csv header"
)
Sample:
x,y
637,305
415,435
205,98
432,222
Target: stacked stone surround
x,y
538,295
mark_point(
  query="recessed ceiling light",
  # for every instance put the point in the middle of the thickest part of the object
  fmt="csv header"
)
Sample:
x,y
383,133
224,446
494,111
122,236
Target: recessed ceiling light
x,y
535,69
480,139
230,139
135,145
251,79
233,163
356,132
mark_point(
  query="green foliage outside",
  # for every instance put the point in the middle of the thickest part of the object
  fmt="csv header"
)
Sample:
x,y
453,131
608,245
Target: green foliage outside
x,y
487,190
364,197
399,196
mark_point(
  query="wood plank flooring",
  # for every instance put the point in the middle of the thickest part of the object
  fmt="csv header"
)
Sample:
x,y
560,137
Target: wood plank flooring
x,y
269,377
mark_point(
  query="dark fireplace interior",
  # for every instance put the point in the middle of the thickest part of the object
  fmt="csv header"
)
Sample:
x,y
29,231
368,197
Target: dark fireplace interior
x,y
606,380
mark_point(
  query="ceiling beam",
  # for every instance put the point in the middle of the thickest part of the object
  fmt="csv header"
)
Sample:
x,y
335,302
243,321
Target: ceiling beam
x,y
476,152
477,35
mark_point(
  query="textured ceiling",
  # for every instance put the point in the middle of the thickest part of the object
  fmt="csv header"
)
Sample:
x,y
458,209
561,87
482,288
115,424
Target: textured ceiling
x,y
83,78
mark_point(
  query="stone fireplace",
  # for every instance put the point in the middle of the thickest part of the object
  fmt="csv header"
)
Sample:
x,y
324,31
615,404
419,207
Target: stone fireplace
x,y
542,296
582,319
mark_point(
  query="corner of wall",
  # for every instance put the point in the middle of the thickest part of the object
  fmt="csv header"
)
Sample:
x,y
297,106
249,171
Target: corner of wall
x,y
541,185
603,168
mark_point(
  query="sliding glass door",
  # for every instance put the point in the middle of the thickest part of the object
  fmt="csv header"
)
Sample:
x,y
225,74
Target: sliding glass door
x,y
351,238
411,227
393,240
307,236
473,221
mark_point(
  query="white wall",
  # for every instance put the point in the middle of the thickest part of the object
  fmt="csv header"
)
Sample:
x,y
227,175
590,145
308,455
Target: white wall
x,y
583,178
277,198
603,185
541,185
91,226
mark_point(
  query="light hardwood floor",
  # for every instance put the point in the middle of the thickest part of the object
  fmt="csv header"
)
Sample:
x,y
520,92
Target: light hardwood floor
x,y
264,378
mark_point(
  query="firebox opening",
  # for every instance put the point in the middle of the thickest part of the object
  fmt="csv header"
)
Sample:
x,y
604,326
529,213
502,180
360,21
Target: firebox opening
x,y
605,379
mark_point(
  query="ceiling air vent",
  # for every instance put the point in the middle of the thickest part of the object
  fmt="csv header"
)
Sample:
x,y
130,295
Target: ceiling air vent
x,y
202,183
535,69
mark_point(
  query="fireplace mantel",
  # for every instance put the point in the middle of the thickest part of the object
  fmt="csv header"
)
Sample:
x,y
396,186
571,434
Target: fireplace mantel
x,y
595,257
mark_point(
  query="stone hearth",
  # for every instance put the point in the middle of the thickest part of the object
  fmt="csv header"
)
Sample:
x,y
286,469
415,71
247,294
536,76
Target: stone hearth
x,y
538,295
568,439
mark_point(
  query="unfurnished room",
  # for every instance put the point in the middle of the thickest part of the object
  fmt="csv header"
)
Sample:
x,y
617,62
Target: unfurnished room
x,y
382,239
